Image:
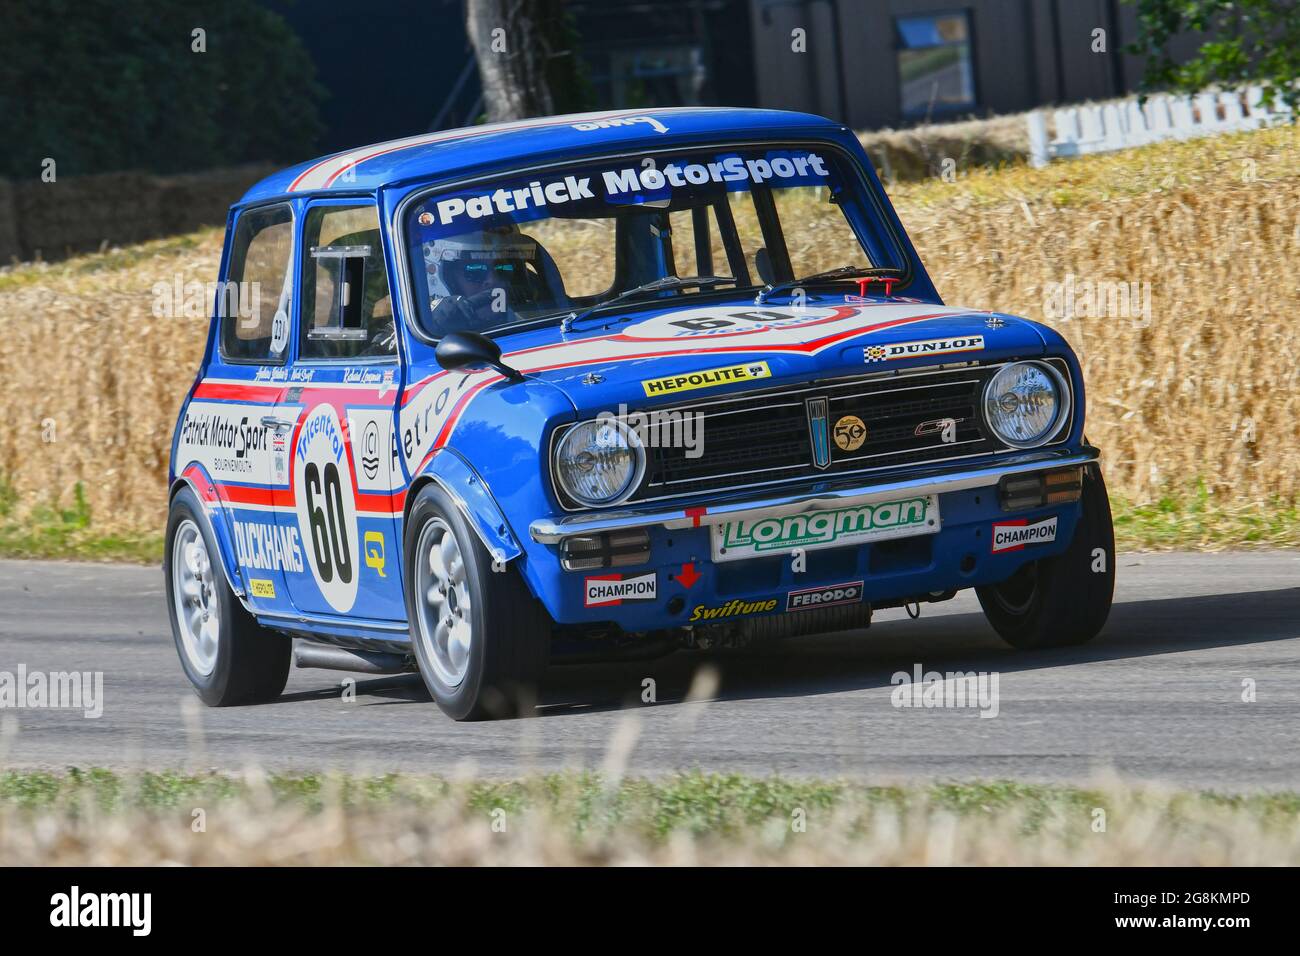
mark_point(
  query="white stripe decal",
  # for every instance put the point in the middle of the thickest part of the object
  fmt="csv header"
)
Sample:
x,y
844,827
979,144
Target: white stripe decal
x,y
290,510
324,173
430,411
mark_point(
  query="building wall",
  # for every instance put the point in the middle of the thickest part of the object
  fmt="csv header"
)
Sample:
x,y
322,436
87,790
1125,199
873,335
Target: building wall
x,y
1025,53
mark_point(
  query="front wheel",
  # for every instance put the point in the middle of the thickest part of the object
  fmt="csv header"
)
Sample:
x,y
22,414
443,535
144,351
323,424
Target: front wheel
x,y
227,656
1056,602
480,637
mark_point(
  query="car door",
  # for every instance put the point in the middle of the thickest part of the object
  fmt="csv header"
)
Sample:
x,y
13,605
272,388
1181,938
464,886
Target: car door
x,y
227,430
342,495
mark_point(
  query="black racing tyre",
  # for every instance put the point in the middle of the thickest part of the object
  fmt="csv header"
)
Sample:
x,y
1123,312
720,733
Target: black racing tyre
x,y
481,639
1065,600
227,656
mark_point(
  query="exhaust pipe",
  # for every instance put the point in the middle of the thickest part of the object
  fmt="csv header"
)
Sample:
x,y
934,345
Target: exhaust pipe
x,y
822,620
328,657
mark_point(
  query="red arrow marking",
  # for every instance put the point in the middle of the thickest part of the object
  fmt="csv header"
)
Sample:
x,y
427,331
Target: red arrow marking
x,y
689,575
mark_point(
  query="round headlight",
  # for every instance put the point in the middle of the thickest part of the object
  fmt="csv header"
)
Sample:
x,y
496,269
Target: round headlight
x,y
1025,404
599,462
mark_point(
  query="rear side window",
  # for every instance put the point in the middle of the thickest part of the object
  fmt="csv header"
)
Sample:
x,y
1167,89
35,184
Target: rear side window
x,y
346,309
254,304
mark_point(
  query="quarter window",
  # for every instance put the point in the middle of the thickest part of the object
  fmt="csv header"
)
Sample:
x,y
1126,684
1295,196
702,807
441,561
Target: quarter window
x,y
254,304
347,311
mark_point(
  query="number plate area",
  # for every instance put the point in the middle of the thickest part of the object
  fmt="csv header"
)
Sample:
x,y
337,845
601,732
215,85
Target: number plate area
x,y
835,528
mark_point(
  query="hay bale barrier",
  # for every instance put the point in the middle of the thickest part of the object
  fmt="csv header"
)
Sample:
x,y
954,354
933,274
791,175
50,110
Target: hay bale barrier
x,y
1195,406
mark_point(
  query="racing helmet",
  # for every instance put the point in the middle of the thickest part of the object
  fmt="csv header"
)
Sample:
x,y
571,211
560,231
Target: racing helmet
x,y
471,262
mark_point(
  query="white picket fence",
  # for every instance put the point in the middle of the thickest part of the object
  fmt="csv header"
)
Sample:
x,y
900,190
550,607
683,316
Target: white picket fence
x,y
1111,126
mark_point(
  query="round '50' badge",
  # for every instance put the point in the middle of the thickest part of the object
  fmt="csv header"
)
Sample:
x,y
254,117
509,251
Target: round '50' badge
x,y
326,506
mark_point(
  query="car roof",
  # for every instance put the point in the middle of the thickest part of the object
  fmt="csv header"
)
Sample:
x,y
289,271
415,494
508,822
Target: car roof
x,y
445,153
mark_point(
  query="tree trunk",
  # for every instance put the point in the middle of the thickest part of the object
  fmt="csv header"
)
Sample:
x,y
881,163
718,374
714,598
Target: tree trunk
x,y
523,48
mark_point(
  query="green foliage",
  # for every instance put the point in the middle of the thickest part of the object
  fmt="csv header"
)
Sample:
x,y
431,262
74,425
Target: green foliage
x,y
103,85
1246,41
566,72
54,531
731,805
1192,519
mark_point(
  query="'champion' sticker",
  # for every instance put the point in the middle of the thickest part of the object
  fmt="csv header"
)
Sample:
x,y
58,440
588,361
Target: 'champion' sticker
x,y
611,589
1014,535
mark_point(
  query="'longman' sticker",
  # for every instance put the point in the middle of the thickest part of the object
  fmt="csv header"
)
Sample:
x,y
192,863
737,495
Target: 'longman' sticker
x,y
1014,535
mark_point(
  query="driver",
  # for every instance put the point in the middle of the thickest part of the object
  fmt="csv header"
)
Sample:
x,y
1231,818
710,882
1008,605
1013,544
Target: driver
x,y
476,278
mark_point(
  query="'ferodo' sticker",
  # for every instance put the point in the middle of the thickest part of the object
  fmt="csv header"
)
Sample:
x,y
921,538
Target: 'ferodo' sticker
x,y
327,510
828,596
1014,535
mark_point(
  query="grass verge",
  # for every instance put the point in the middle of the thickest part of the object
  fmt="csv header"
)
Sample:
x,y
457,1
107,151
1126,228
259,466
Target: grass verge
x,y
50,531
1195,522
102,817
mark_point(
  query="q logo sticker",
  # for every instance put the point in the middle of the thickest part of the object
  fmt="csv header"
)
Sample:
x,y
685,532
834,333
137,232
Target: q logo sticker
x,y
326,506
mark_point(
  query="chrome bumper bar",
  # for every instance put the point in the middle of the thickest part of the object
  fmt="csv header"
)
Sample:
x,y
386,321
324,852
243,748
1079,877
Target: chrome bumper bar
x,y
825,495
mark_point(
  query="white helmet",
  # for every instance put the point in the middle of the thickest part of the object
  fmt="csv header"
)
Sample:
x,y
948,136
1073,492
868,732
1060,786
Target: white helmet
x,y
469,262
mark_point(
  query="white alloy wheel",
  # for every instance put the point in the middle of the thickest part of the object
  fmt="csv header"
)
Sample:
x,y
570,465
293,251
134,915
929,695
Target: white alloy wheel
x,y
445,622
198,610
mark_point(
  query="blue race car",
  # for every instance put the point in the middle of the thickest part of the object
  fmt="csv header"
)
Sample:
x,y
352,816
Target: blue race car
x,y
606,384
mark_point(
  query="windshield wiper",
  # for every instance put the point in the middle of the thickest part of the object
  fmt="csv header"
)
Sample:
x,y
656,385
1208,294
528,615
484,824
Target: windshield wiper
x,y
830,275
658,285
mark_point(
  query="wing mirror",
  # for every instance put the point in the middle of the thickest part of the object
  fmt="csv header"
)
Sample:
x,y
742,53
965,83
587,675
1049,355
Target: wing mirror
x,y
472,350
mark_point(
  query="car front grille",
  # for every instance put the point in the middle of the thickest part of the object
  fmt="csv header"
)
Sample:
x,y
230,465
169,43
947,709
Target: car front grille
x,y
767,437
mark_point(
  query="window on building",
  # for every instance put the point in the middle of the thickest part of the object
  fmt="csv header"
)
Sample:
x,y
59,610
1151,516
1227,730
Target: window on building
x,y
655,76
935,70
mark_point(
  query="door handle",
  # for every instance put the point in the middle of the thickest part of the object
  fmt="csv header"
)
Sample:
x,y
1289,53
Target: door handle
x,y
270,421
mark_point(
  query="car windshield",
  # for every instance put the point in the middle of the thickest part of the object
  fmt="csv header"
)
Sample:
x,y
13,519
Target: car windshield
x,y
565,240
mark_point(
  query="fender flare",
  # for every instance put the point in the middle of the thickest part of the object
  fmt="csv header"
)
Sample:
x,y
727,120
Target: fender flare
x,y
219,524
474,499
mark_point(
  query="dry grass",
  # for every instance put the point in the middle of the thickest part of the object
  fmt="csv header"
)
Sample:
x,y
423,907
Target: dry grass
x,y
1198,412
1207,392
91,381
919,152
99,818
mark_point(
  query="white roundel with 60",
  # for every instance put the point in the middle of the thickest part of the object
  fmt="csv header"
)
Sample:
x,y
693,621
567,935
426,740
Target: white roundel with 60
x,y
326,506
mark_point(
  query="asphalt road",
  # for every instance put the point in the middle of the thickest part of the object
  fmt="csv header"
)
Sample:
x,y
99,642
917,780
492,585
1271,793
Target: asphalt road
x,y
1157,697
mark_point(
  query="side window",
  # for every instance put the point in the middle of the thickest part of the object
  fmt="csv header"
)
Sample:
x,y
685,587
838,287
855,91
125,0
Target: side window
x,y
258,286
346,309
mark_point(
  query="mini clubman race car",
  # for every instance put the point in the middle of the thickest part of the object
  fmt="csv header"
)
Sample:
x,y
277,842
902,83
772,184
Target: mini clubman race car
x,y
606,384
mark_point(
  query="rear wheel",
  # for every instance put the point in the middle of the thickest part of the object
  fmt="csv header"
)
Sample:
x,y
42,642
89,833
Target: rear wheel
x,y
1056,602
226,655
480,637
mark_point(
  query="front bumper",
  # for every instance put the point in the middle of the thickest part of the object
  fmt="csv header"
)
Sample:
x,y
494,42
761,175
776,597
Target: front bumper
x,y
838,494
688,583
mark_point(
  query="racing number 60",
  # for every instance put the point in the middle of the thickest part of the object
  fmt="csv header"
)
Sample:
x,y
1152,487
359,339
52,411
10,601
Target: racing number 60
x,y
329,535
